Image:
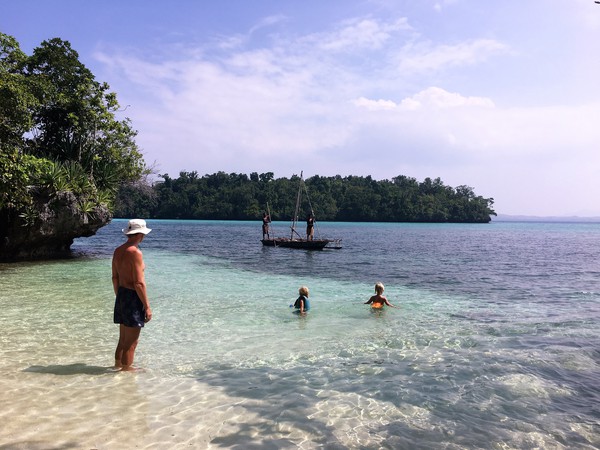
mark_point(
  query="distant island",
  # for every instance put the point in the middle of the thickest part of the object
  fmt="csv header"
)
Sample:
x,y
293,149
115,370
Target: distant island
x,y
564,219
236,196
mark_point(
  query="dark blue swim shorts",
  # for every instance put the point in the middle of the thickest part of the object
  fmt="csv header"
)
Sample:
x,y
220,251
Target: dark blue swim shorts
x,y
129,309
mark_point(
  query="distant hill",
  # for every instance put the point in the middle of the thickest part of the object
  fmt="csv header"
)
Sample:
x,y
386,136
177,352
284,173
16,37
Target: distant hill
x,y
565,219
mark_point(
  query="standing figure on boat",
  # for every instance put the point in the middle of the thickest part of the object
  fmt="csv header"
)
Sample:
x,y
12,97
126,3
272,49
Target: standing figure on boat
x,y
265,226
310,227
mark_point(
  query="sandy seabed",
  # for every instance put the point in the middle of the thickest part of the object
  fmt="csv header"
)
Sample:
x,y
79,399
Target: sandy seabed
x,y
105,411
118,410
90,407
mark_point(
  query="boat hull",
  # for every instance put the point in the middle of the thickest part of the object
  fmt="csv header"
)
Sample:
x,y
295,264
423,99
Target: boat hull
x,y
316,244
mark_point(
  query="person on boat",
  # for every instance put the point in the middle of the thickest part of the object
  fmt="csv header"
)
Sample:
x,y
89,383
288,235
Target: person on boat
x,y
265,225
378,300
302,304
132,308
310,227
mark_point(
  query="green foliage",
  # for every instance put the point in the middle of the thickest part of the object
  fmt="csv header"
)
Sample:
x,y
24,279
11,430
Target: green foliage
x,y
18,174
239,197
135,200
106,198
58,131
16,98
29,216
75,119
86,207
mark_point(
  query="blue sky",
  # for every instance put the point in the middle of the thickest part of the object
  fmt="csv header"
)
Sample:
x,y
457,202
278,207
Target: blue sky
x,y
502,96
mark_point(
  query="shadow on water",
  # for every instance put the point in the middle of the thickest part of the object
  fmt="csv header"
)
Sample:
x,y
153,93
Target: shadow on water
x,y
382,402
276,397
70,369
299,401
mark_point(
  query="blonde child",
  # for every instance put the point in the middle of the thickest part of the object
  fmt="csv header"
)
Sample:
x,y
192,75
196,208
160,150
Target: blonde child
x,y
378,300
302,304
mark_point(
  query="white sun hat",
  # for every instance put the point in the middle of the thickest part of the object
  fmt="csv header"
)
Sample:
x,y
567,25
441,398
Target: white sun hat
x,y
137,226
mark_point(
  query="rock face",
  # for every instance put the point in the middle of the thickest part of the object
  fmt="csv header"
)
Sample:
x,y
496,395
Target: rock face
x,y
50,233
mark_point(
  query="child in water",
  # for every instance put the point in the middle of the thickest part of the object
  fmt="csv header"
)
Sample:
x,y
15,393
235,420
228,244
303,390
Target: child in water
x,y
378,300
302,304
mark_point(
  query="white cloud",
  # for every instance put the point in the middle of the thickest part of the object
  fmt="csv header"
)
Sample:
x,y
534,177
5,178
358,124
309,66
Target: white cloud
x,y
436,97
268,22
423,57
359,34
374,105
433,97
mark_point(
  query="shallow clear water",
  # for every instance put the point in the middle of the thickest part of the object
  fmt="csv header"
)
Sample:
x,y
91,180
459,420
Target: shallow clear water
x,y
495,344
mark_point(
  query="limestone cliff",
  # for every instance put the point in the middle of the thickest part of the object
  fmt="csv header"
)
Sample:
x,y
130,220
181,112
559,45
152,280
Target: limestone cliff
x,y
50,231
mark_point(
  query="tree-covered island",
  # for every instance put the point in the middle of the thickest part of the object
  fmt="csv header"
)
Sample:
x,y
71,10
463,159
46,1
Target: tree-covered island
x,y
353,198
67,165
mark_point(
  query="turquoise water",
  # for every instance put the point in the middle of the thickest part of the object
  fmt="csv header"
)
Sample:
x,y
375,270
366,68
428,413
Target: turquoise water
x,y
495,344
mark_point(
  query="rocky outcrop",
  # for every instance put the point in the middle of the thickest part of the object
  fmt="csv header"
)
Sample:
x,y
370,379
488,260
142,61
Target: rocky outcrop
x,y
50,230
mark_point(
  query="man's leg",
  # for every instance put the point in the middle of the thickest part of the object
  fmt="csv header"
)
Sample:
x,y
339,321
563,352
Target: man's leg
x,y
128,340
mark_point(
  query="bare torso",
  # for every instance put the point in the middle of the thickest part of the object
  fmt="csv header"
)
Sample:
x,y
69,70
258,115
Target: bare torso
x,y
377,301
128,269
124,265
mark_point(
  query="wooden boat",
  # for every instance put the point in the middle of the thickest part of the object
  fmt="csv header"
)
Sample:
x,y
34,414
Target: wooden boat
x,y
315,244
296,240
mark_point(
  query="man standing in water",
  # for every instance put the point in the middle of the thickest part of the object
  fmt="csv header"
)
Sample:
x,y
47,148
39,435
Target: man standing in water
x,y
132,309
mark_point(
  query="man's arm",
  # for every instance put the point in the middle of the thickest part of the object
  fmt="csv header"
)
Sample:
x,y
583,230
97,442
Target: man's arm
x,y
139,283
115,275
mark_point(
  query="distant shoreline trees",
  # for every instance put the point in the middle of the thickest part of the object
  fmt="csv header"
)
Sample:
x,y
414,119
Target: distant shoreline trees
x,y
233,196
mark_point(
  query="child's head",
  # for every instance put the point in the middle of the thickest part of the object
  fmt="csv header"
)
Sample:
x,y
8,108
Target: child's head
x,y
303,291
379,288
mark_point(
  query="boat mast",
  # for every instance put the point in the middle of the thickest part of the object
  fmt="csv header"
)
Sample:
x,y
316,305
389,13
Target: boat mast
x,y
295,218
269,223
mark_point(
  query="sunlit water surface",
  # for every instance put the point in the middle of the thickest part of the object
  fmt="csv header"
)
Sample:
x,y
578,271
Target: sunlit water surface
x,y
495,344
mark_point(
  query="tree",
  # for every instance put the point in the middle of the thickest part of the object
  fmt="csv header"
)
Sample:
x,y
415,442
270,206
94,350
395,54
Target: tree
x,y
63,153
53,109
16,103
75,119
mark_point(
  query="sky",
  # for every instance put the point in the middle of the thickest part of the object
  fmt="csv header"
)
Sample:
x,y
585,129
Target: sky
x,y
502,96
